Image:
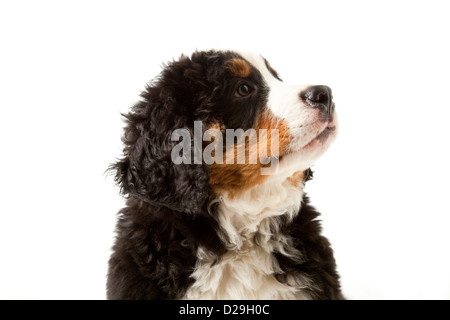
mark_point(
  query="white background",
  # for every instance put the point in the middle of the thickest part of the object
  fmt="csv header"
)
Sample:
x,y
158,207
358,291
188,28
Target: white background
x,y
68,68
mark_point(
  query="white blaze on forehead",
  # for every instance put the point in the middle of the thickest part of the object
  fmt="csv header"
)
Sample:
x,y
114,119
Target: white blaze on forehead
x,y
284,100
259,63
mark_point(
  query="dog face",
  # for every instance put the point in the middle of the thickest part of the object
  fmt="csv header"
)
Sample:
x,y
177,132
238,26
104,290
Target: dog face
x,y
308,112
224,90
303,115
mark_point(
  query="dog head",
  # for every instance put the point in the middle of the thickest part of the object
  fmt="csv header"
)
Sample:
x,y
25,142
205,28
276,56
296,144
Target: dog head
x,y
181,146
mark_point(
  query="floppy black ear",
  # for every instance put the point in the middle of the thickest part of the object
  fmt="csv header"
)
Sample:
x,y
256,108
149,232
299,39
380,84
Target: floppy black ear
x,y
147,171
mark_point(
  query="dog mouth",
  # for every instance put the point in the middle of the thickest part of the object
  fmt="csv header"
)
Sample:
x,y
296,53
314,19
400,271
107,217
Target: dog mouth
x,y
318,140
322,136
327,130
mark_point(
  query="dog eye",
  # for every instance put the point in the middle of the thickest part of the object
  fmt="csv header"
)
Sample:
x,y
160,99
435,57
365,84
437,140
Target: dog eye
x,y
243,90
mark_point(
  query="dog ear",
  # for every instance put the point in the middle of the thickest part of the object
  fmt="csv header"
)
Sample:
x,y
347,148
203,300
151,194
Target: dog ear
x,y
147,171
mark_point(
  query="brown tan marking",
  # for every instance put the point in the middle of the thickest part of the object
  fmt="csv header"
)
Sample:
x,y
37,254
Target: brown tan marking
x,y
296,179
271,68
235,178
238,67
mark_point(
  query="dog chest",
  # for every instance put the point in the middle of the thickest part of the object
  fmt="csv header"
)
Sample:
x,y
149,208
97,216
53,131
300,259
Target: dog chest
x,y
247,273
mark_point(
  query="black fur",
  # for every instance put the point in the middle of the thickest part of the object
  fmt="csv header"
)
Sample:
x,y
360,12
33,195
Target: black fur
x,y
168,213
317,256
155,251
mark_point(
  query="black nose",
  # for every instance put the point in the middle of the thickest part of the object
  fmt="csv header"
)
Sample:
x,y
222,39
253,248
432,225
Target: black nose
x,y
319,97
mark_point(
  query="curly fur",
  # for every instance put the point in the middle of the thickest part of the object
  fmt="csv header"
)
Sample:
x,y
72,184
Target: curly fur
x,y
172,214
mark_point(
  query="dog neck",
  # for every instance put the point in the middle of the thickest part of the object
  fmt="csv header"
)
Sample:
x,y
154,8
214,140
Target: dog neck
x,y
255,215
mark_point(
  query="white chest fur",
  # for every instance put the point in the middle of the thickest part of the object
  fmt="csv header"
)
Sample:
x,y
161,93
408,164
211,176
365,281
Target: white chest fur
x,y
249,225
244,274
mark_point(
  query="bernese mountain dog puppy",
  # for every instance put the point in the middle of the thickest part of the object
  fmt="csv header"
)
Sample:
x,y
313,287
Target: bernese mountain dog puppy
x,y
210,213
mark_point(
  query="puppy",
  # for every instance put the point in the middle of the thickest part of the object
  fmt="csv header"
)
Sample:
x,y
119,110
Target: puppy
x,y
216,155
